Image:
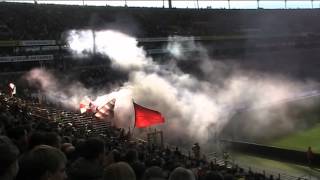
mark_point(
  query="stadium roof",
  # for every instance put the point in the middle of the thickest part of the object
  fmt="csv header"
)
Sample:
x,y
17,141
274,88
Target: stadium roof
x,y
207,4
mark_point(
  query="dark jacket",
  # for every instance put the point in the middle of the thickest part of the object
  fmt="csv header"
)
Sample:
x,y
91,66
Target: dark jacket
x,y
83,169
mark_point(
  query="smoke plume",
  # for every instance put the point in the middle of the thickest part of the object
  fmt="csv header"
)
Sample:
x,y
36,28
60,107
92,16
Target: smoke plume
x,y
69,95
193,107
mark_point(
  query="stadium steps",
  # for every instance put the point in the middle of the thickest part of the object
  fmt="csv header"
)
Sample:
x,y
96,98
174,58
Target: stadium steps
x,y
65,117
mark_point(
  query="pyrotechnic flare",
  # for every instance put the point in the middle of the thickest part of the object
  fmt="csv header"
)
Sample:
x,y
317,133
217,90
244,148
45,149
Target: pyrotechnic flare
x,y
12,89
86,105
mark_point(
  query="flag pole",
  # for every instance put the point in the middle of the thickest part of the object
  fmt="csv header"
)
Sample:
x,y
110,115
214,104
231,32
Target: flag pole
x,y
132,119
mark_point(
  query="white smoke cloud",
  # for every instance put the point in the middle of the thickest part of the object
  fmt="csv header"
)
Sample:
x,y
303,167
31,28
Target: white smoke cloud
x,y
190,105
81,42
69,95
122,49
178,45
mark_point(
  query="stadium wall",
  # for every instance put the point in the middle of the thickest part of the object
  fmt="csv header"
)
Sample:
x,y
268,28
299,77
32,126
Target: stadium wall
x,y
275,153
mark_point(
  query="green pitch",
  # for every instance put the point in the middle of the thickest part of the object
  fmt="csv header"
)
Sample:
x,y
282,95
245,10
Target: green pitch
x,y
300,140
259,164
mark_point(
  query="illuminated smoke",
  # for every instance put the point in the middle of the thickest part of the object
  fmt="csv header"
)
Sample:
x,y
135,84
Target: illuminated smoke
x,y
81,42
122,49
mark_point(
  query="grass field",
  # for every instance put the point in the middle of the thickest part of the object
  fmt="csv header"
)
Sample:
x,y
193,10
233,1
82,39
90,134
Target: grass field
x,y
259,164
300,140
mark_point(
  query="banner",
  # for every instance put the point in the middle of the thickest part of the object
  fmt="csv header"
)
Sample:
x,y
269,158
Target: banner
x,y
8,43
32,49
49,48
26,58
40,58
37,43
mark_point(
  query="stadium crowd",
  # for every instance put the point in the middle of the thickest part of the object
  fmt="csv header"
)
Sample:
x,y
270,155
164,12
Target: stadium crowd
x,y
34,147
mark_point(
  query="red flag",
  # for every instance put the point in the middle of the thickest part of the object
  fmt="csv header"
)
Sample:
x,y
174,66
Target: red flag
x,y
145,117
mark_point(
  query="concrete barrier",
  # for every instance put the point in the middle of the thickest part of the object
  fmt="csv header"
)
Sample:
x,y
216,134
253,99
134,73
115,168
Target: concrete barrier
x,y
270,152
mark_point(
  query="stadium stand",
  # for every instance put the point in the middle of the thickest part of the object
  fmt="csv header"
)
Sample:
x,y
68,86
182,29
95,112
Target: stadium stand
x,y
38,22
76,130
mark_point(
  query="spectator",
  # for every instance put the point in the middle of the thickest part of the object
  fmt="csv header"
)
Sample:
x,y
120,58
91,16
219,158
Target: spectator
x,y
177,152
119,171
213,176
196,151
43,163
310,156
113,157
229,177
226,157
131,156
36,139
8,159
90,165
19,137
52,139
153,172
181,173
139,169
68,149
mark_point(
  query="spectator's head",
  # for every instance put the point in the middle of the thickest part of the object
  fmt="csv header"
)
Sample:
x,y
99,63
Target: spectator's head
x,y
36,138
113,157
93,149
153,173
17,133
131,156
213,176
139,169
119,171
66,139
116,155
43,163
67,148
8,159
229,177
2,127
19,137
181,173
52,139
